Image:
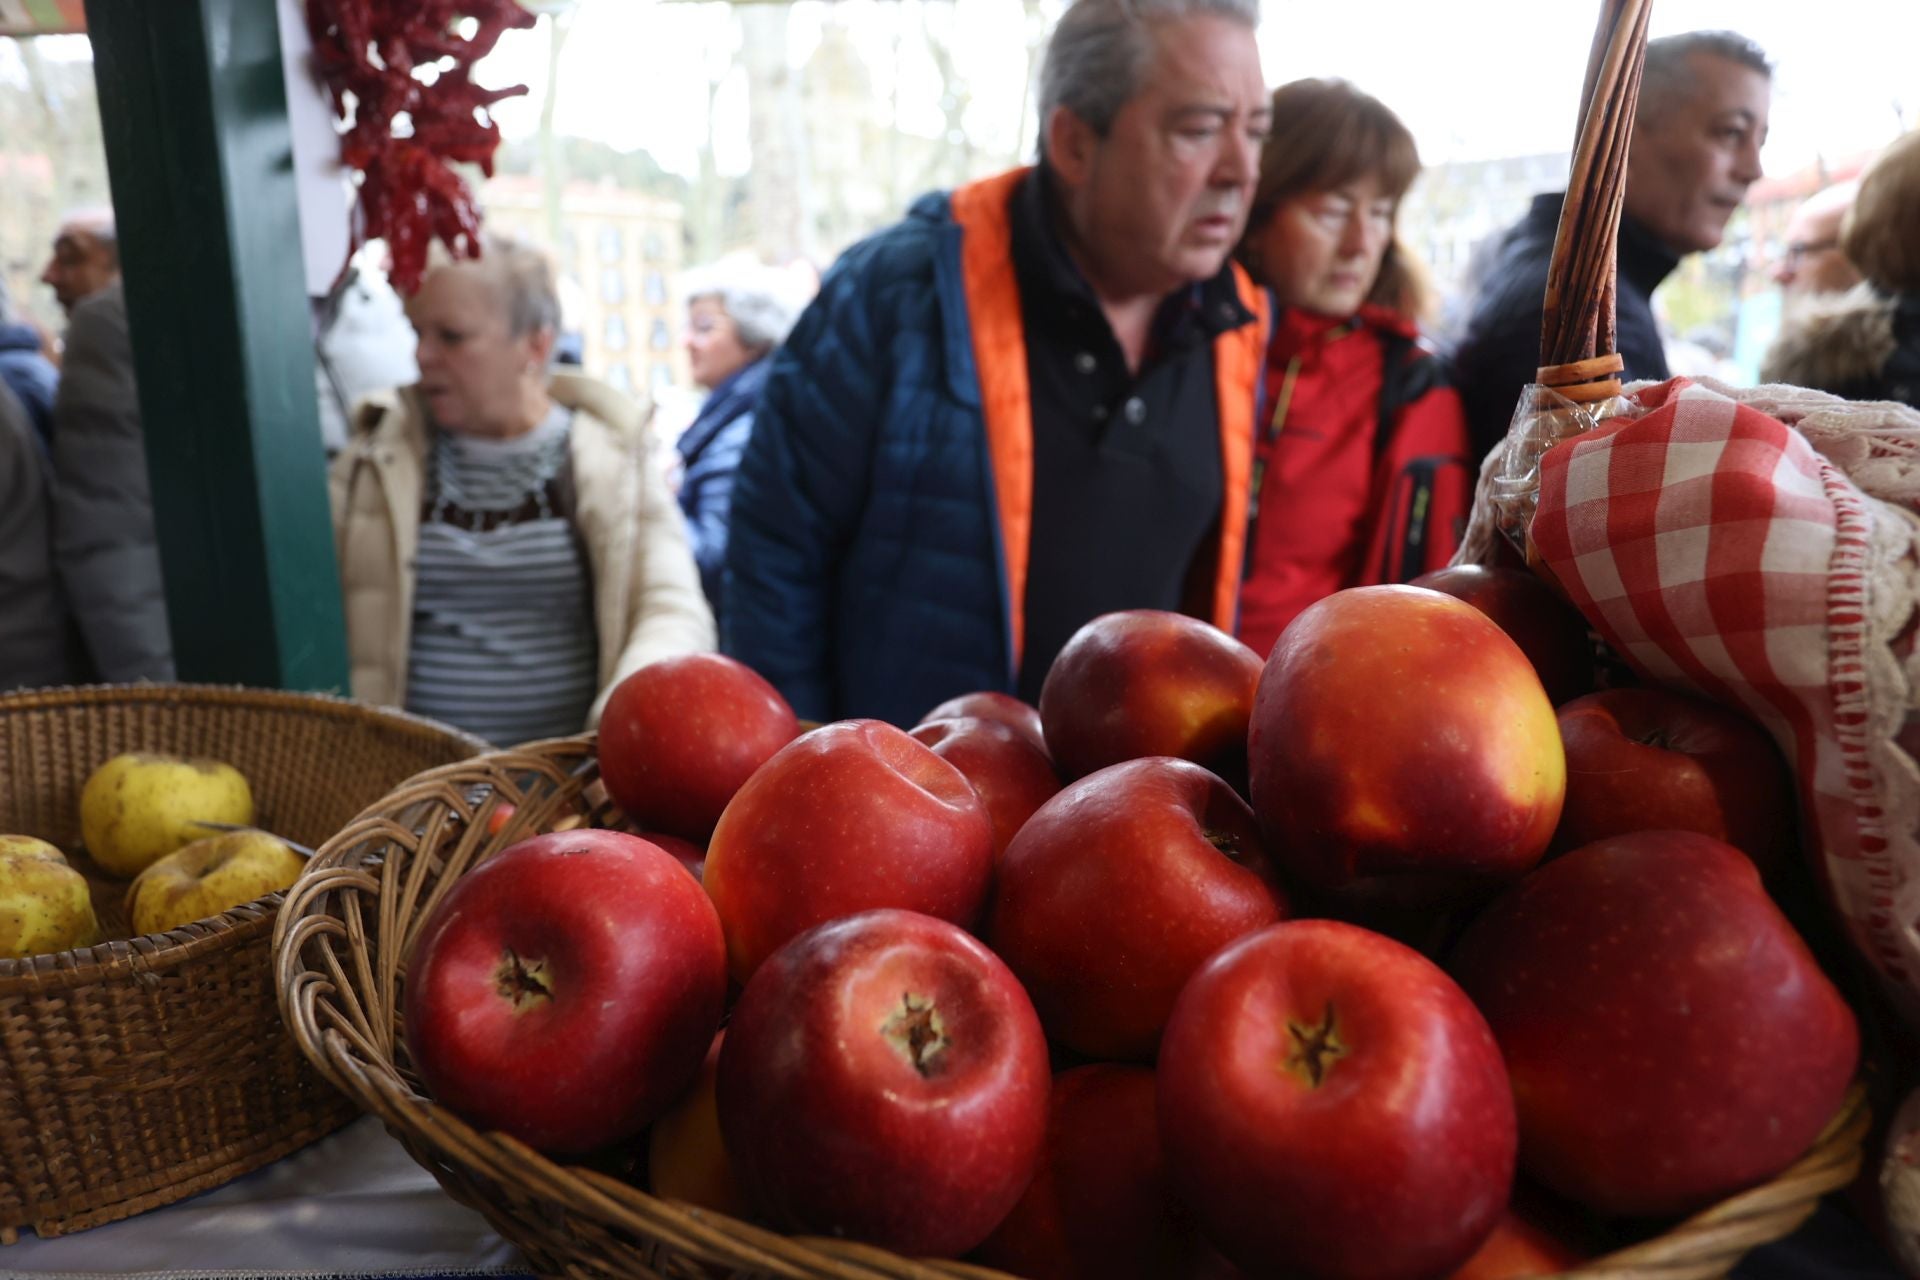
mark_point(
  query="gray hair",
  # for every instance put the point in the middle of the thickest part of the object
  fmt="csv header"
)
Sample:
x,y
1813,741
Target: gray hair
x,y
761,301
524,275
95,220
1098,56
1667,76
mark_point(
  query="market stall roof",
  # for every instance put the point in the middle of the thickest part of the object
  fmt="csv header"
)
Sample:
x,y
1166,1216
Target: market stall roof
x,y
41,17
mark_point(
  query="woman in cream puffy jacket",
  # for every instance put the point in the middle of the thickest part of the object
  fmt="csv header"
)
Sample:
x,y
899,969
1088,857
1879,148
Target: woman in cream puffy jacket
x,y
507,551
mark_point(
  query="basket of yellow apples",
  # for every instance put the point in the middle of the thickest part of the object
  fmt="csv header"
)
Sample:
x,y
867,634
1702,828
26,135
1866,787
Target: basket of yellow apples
x,y
146,834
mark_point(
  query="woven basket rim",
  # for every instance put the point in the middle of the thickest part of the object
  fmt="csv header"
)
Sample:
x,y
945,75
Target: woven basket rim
x,y
1706,1244
334,704
150,953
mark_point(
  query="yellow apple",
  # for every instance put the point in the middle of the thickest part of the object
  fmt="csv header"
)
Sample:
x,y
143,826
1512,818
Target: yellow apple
x,y
31,847
686,1159
140,807
210,876
44,903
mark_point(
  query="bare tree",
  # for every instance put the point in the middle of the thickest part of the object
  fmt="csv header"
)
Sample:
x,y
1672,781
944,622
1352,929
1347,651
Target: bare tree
x,y
705,229
777,133
52,158
559,15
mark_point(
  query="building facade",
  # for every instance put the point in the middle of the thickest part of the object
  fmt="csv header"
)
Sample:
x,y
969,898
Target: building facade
x,y
619,255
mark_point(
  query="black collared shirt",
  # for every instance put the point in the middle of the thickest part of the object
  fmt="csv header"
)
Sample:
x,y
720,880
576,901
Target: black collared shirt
x,y
1126,466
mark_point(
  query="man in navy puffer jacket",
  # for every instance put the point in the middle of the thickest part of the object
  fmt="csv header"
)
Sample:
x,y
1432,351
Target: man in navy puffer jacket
x,y
1030,402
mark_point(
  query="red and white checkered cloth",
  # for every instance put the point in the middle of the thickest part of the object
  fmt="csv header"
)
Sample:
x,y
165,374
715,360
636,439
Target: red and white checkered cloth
x,y
1717,551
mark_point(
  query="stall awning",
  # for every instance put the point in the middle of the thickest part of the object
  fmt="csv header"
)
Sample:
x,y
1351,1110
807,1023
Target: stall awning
x,y
41,17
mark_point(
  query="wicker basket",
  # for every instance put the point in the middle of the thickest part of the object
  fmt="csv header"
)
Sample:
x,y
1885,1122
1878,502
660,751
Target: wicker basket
x,y
145,1070
340,951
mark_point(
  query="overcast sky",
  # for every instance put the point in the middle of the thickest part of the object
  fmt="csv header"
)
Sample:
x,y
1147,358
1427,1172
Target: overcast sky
x,y
1473,78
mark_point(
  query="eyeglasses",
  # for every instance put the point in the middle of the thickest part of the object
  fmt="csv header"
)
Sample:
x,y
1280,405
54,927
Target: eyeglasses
x,y
1798,249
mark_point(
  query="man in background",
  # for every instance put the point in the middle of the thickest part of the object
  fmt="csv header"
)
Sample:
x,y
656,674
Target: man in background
x,y
104,542
1701,120
1812,264
1028,404
86,257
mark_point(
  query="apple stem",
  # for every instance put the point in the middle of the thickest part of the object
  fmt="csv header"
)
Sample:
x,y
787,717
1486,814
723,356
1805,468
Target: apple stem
x,y
523,983
917,1032
1655,738
1315,1048
1225,841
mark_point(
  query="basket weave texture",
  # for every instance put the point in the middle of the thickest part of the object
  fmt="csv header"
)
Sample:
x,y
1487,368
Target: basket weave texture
x,y
340,952
144,1070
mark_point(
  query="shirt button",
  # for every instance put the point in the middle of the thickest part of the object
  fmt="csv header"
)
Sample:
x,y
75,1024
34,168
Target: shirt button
x,y
1099,413
1136,410
1085,362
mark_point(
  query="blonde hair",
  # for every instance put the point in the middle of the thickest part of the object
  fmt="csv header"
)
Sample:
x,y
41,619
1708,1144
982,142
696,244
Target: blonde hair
x,y
520,270
1881,234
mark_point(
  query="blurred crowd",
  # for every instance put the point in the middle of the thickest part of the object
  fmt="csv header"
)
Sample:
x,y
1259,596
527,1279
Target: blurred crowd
x,y
1177,363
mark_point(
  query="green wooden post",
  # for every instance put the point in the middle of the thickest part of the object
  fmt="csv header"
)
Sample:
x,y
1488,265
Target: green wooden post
x,y
193,109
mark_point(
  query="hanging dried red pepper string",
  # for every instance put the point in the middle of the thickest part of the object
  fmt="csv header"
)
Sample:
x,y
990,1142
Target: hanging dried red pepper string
x,y
368,52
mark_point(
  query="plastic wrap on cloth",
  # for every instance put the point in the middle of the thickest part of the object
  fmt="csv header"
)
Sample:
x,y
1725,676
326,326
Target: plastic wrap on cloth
x,y
1760,547
1900,1184
1510,479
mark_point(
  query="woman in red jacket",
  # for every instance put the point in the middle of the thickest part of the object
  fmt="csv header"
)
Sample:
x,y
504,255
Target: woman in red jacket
x,y
1360,471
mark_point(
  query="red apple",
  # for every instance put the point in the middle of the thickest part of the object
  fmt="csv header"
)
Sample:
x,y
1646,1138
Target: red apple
x,y
847,818
1654,760
1117,890
1398,731
1548,630
1144,682
686,1159
884,1077
1331,1104
685,852
1012,775
679,737
502,814
1671,1039
987,705
565,989
1099,1208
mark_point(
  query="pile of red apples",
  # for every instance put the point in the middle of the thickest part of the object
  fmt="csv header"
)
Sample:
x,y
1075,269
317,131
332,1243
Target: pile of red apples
x,y
1361,962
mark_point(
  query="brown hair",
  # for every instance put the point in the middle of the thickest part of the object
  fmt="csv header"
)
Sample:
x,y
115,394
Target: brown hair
x,y
1326,133
1882,231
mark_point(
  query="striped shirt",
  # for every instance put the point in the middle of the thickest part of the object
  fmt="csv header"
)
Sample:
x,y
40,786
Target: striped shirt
x,y
503,633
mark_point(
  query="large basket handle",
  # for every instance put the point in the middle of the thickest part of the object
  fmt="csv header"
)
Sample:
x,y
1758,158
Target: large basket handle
x,y
1578,349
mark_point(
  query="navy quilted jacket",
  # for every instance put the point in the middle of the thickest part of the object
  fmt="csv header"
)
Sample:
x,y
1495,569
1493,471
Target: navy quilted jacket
x,y
864,568
30,376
